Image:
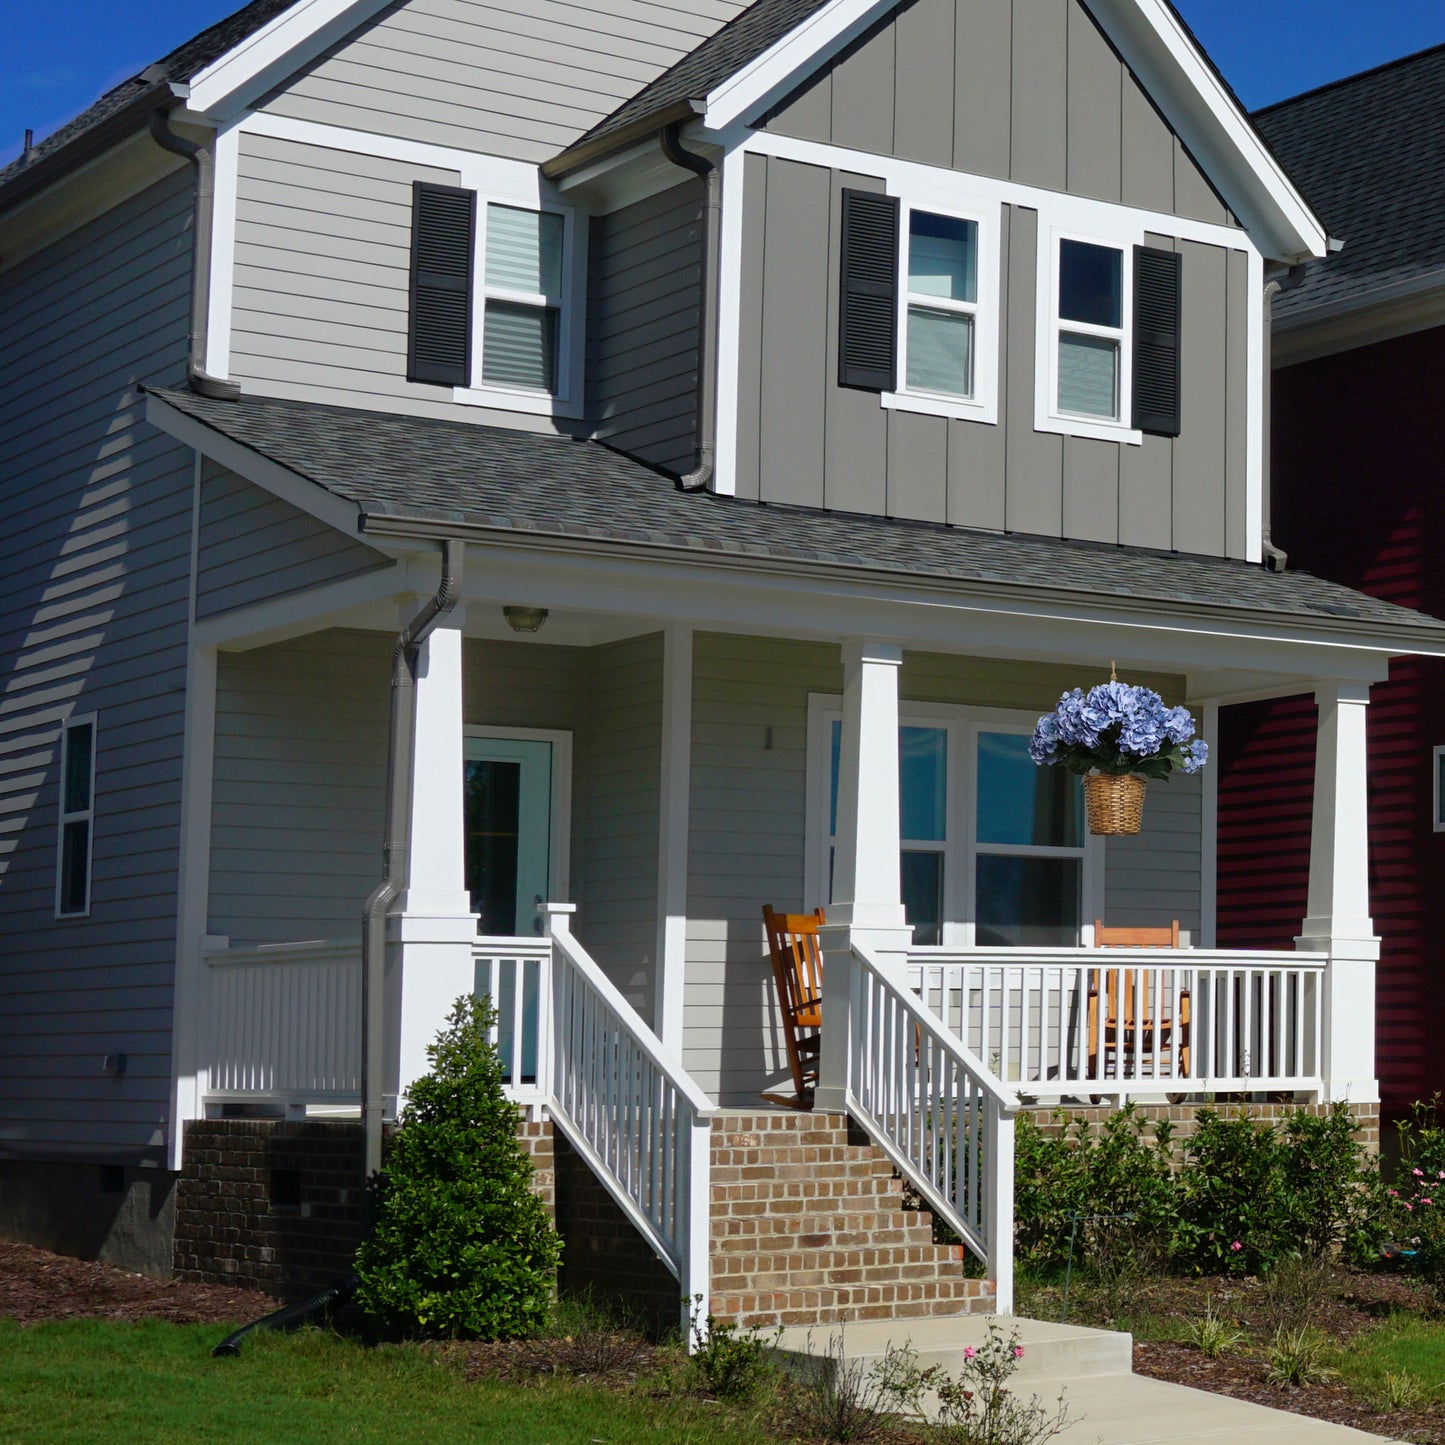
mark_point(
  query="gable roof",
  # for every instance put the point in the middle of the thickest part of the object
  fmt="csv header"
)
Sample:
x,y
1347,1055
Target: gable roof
x,y
465,479
1370,150
146,91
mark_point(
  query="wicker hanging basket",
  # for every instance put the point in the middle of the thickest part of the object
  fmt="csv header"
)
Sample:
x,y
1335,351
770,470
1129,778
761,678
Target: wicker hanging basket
x,y
1115,802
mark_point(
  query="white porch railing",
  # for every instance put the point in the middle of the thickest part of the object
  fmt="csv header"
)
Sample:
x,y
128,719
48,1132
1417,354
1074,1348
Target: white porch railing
x,y
516,974
934,1108
281,1023
1204,1021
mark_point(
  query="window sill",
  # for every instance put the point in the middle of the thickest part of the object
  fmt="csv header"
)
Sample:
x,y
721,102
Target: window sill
x,y
1104,431
958,408
533,403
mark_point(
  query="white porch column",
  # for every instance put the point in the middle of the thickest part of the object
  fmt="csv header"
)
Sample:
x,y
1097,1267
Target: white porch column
x,y
432,927
1338,922
672,839
867,892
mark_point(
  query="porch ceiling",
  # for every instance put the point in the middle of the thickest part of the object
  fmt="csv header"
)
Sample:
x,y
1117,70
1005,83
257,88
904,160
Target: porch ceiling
x,y
427,478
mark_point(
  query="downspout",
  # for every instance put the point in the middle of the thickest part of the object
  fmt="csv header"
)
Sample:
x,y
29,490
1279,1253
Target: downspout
x,y
1275,559
198,378
700,477
395,849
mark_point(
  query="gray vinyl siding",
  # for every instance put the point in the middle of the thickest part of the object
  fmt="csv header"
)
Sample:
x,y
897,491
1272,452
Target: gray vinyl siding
x,y
254,546
1027,91
300,772
95,520
748,828
516,80
642,326
805,440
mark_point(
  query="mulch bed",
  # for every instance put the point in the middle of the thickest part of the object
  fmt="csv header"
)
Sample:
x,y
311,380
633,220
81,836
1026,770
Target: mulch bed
x,y
36,1285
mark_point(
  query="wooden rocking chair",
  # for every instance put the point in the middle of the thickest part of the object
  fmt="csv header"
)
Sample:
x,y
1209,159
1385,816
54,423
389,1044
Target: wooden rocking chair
x,y
1123,1030
798,976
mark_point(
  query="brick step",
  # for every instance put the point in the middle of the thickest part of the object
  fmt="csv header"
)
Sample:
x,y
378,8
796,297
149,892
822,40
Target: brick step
x,y
844,1304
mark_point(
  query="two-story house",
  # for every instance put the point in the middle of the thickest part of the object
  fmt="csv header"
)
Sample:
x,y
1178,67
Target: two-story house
x,y
464,461
1359,437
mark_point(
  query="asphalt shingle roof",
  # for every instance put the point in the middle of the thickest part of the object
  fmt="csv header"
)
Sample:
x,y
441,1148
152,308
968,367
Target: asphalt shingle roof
x,y
180,65
1369,151
523,482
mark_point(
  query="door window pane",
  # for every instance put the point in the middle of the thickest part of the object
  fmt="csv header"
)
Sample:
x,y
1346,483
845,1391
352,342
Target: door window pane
x,y
1091,284
524,250
1088,375
519,345
493,815
1020,803
1028,902
922,878
940,351
942,257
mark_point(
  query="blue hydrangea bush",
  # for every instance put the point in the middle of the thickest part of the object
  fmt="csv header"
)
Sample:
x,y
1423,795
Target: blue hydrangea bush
x,y
1118,728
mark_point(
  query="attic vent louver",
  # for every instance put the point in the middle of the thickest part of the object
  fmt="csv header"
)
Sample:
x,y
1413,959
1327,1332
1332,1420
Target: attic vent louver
x,y
868,309
1157,285
443,227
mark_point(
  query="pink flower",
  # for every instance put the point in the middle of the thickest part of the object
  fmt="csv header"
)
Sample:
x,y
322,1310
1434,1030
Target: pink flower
x,y
1393,1193
1410,1207
1427,1201
1419,1173
1018,1352
1236,1246
969,1352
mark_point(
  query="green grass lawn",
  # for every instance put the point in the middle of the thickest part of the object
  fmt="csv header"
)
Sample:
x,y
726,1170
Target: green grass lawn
x,y
1403,1344
90,1382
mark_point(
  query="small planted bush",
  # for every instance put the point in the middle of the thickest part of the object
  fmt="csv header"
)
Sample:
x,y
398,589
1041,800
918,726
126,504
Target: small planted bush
x,y
461,1246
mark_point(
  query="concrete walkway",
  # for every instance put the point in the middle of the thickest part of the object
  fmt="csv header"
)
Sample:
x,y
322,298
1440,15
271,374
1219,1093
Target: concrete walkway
x,y
1108,1404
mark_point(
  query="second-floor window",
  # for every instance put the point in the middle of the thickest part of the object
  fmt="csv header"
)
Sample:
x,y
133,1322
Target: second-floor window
x,y
941,304
77,815
1090,310
494,312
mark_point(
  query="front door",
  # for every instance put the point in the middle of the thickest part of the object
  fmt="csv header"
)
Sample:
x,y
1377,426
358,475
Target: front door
x,y
509,832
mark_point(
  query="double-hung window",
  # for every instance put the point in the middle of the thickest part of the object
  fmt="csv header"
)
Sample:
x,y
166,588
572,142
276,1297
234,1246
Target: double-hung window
x,y
993,850
497,304
77,817
1090,311
941,304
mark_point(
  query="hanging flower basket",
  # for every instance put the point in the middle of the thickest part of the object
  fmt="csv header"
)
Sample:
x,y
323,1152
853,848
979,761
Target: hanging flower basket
x,y
1115,802
1117,737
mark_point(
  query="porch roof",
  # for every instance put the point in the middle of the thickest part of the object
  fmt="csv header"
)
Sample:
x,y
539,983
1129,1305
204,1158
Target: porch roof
x,y
408,474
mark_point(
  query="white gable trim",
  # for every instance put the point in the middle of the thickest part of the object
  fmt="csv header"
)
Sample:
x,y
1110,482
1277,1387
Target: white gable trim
x,y
275,51
1156,46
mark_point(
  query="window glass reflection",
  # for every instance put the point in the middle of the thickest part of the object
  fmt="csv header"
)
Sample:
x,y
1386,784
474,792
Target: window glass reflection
x,y
1021,803
1028,902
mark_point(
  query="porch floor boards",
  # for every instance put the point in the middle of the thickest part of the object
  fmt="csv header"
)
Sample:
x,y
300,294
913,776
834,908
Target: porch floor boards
x,y
810,1229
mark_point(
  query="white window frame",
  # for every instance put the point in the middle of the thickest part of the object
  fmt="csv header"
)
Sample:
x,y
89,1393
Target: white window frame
x,y
962,724
84,815
1048,416
1437,819
570,302
982,406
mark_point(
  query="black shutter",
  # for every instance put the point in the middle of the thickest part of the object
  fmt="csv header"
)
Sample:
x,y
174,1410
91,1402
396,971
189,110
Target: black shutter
x,y
1157,277
439,341
868,308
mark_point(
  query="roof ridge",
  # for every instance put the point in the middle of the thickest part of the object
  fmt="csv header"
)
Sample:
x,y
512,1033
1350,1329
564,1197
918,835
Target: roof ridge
x,y
1344,80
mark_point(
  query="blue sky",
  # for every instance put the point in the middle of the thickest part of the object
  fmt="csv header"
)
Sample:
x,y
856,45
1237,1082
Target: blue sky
x,y
60,55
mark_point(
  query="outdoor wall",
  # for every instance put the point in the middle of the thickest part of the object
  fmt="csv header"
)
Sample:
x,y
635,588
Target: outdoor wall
x,y
748,827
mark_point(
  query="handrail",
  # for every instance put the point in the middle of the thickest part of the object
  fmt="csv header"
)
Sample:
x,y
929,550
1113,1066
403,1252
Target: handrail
x,y
630,1109
938,1112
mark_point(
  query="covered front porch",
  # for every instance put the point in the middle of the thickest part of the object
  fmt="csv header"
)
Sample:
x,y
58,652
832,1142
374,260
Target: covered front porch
x,y
595,813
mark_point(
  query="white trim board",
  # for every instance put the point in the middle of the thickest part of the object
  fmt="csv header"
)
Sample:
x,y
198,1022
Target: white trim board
x,y
220,305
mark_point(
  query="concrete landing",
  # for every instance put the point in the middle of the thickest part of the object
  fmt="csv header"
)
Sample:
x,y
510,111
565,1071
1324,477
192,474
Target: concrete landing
x,y
1108,1403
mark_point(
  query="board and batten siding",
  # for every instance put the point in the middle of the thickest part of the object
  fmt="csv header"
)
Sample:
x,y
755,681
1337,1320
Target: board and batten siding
x,y
803,439
519,80
300,767
95,524
1018,90
748,829
253,546
644,292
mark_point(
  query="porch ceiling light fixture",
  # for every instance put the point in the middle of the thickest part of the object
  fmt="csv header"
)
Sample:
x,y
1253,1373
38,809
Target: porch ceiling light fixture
x,y
525,619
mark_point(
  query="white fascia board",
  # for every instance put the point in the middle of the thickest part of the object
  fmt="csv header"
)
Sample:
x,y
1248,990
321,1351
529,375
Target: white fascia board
x,y
278,49
1174,73
747,595
290,487
768,78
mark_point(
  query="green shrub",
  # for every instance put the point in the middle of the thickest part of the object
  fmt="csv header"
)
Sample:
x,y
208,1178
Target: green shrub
x,y
1414,1212
461,1246
1079,1175
1332,1184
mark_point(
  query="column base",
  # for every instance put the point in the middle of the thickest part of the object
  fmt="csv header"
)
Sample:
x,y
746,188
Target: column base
x,y
429,967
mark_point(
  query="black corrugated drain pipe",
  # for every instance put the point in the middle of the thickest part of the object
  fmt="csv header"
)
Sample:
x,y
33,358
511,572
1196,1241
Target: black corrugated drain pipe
x,y
291,1317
